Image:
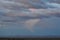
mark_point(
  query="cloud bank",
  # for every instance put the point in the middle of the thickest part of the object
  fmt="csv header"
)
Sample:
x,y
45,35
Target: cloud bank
x,y
28,12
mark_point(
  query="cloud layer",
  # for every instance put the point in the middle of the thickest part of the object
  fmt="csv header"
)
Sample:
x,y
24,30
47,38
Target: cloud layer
x,y
28,12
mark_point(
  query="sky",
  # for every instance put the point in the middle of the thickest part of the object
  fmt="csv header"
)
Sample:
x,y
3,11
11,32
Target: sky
x,y
29,17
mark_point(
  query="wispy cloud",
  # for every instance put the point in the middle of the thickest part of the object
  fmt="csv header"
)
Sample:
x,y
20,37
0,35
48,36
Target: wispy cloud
x,y
29,24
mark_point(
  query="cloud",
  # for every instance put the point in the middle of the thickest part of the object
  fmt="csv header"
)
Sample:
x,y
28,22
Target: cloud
x,y
28,12
53,5
35,13
20,4
29,24
54,1
45,12
34,16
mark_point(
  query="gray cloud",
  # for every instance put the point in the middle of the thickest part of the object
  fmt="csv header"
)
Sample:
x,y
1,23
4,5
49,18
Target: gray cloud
x,y
36,13
20,4
28,18
28,12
